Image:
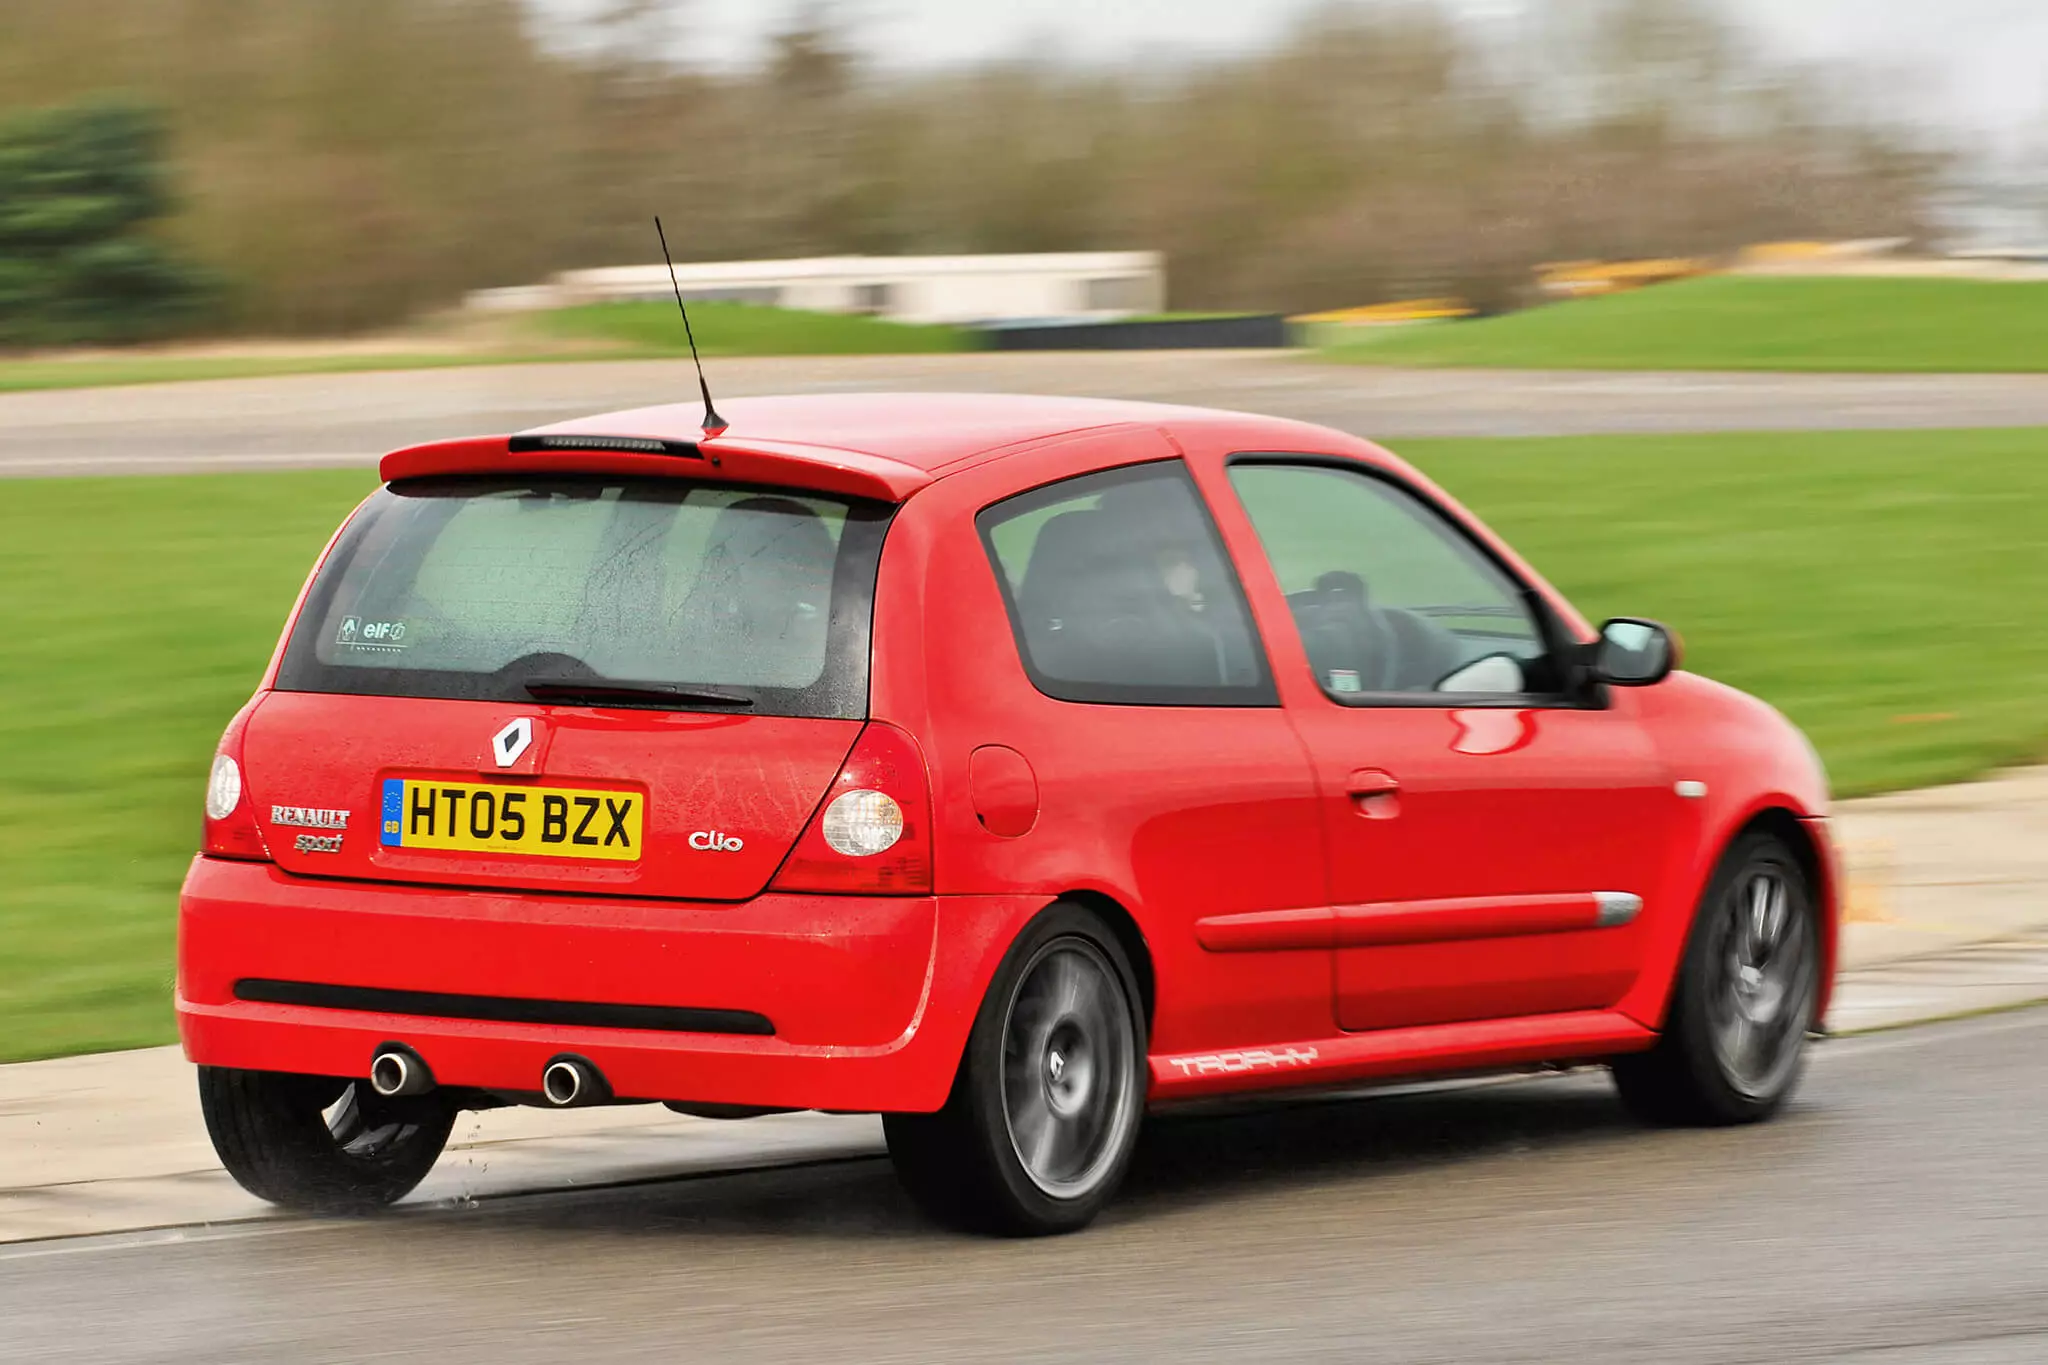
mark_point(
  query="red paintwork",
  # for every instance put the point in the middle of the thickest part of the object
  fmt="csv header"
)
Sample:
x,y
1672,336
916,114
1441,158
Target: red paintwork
x,y
1753,761
1004,790
1585,806
883,446
1384,891
767,462
1269,931
871,996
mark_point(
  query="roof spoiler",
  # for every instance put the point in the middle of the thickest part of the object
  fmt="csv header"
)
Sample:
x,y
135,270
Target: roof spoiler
x,y
778,464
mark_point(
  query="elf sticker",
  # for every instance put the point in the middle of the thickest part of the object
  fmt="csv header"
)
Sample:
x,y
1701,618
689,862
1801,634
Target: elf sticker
x,y
377,636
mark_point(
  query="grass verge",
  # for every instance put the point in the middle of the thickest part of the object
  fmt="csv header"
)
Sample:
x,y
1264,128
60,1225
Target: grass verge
x,y
19,376
740,329
623,331
138,613
1887,590
1745,322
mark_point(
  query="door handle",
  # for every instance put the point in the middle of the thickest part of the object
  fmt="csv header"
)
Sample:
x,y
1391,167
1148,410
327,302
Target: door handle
x,y
1375,793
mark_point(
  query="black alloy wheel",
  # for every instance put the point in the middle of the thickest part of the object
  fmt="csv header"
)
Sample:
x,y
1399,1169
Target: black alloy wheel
x,y
1046,1107
1734,1041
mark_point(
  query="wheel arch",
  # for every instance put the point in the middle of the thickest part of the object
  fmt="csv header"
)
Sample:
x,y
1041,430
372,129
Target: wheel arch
x,y
1806,836
1786,825
1808,840
1129,937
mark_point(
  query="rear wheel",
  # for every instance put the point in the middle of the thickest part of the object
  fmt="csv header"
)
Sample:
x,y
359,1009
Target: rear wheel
x,y
324,1144
1045,1110
1735,1039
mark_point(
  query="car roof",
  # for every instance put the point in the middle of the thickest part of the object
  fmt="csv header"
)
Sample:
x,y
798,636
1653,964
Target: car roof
x,y
883,445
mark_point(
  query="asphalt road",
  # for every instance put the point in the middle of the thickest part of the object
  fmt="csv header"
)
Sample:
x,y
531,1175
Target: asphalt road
x,y
1898,1215
315,420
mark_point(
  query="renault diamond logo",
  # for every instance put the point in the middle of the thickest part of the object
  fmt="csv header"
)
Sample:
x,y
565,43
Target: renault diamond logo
x,y
512,741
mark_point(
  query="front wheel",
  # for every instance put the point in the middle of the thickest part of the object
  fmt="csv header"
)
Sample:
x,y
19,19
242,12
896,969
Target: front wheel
x,y
1734,1042
324,1144
1045,1110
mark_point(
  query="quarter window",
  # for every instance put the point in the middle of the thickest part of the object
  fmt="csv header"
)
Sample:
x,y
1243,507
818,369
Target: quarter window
x,y
1389,597
1119,591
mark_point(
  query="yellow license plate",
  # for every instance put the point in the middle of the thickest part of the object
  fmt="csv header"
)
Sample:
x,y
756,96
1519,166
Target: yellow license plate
x,y
496,817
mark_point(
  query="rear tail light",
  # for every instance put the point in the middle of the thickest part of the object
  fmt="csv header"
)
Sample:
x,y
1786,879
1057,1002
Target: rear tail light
x,y
862,823
223,788
231,829
873,831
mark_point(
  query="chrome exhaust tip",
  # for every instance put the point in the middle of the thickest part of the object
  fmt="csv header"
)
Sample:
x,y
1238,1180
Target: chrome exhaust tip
x,y
397,1070
569,1082
562,1083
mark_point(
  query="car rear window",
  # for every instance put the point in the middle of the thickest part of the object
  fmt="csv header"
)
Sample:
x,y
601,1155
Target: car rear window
x,y
480,589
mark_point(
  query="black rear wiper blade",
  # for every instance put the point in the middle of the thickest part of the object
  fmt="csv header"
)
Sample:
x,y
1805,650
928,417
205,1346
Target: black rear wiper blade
x,y
600,690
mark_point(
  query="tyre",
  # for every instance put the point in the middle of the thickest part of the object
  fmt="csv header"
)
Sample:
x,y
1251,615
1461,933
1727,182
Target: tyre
x,y
1045,1109
1734,1040
324,1144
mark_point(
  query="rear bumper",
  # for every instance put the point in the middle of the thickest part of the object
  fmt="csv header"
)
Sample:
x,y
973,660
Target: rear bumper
x,y
870,998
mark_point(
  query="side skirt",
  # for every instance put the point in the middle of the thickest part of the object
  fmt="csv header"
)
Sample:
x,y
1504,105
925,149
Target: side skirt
x,y
1430,1049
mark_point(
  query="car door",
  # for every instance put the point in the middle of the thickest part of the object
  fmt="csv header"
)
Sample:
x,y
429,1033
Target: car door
x,y
1489,840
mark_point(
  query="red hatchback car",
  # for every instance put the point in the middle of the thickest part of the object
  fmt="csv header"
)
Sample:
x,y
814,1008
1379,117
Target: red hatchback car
x,y
999,765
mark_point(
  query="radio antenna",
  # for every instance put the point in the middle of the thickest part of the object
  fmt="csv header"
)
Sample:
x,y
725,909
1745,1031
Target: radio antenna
x,y
714,425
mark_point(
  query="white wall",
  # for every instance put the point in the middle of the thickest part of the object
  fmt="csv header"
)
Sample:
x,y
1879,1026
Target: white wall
x,y
911,288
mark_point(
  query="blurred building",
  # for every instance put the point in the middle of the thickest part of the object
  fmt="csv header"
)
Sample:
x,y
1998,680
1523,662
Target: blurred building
x,y
1893,258
950,289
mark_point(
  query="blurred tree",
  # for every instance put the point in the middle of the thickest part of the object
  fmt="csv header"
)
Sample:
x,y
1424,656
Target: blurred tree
x,y
350,163
78,187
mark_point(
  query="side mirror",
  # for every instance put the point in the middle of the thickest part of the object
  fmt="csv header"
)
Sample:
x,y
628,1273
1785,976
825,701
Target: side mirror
x,y
1634,653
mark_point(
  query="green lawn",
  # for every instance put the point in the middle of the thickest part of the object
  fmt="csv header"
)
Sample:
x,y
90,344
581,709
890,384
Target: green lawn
x,y
1743,322
736,329
624,331
99,373
1888,590
138,614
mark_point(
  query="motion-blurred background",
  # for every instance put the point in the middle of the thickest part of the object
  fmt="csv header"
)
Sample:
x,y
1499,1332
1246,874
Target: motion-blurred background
x,y
315,167
1430,218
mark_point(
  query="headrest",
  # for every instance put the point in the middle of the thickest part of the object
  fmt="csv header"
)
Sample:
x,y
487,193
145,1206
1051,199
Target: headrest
x,y
1065,545
781,532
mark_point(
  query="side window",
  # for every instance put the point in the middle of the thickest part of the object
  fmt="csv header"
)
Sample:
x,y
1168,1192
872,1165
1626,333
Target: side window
x,y
1389,597
1119,591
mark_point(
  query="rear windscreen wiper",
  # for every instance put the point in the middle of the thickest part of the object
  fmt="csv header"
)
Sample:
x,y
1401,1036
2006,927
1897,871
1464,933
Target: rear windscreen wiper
x,y
598,691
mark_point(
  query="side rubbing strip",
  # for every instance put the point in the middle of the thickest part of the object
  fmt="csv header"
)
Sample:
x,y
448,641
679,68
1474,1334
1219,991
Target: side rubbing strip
x,y
497,1009
1617,907
1387,924
1268,931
